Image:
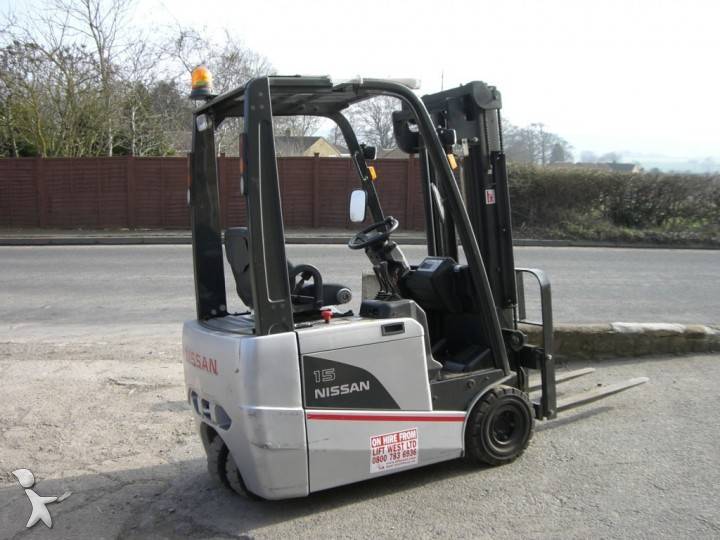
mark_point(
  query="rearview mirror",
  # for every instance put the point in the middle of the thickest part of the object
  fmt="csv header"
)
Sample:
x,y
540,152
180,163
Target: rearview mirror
x,y
358,201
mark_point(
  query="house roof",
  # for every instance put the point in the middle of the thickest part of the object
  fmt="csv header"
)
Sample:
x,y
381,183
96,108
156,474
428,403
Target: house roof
x,y
287,145
340,148
391,153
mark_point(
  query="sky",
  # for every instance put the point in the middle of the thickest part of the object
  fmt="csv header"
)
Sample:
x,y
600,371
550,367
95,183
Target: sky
x,y
632,76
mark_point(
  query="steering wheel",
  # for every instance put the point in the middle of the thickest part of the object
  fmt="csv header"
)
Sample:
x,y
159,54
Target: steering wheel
x,y
374,234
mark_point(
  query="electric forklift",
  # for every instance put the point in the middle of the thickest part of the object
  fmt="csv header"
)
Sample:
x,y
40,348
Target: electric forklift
x,y
296,395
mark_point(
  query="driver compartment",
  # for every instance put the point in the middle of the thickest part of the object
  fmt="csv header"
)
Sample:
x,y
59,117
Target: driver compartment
x,y
438,293
444,290
307,298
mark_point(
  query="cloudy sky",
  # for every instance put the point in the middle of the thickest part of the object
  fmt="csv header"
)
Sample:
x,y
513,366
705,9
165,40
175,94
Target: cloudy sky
x,y
608,75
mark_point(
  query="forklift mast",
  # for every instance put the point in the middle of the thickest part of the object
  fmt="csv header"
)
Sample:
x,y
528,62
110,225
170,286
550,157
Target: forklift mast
x,y
468,120
473,112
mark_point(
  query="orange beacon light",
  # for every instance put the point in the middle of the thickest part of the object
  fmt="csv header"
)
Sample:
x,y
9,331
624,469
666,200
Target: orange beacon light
x,y
202,85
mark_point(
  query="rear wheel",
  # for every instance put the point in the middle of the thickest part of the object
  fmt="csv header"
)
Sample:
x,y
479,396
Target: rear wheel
x,y
222,467
235,481
217,455
500,426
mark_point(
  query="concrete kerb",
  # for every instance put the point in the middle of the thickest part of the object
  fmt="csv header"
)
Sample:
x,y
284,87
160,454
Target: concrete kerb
x,y
173,239
611,340
69,237
620,339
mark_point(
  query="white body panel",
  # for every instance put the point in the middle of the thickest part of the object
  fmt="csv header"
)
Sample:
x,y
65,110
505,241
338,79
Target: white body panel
x,y
249,389
397,360
344,333
340,445
258,385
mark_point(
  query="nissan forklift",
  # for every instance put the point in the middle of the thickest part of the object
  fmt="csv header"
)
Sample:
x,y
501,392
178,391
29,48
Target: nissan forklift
x,y
298,394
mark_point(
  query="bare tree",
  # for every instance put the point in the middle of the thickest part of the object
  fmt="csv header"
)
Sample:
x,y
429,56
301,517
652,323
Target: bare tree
x,y
99,22
72,49
69,84
296,126
373,118
51,106
534,145
231,63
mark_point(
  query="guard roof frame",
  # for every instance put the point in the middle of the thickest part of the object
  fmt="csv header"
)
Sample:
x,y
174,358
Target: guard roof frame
x,y
257,102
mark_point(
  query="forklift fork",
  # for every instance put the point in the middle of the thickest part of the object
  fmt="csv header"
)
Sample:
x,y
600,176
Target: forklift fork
x,y
542,358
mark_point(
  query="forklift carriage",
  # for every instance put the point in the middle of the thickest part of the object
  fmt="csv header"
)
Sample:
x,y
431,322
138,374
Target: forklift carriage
x,y
295,395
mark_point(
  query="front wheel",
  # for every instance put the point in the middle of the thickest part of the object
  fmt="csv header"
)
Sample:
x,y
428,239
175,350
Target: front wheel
x,y
500,426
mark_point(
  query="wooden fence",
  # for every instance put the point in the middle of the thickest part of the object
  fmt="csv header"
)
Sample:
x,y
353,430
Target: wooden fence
x,y
128,192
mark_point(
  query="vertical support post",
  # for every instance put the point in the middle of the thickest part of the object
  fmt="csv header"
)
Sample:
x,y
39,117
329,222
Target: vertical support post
x,y
41,187
520,284
348,188
543,356
163,210
224,190
205,223
99,191
316,191
548,401
130,180
268,263
425,184
409,193
548,398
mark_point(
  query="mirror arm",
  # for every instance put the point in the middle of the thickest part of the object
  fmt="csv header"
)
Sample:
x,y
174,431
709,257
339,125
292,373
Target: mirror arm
x,y
356,152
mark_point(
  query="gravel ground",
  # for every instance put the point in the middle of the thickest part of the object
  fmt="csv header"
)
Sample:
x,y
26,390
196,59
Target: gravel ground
x,y
107,421
94,403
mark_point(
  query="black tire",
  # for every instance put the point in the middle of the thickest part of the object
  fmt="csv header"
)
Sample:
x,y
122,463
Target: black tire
x,y
235,480
217,457
500,426
222,467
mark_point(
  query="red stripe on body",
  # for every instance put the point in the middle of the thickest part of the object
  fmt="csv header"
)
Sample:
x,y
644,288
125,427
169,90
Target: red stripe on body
x,y
384,418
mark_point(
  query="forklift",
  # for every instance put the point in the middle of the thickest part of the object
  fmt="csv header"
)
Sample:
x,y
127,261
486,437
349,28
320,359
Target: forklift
x,y
297,395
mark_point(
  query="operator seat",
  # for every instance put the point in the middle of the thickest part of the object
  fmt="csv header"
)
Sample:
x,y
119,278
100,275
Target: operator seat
x,y
304,297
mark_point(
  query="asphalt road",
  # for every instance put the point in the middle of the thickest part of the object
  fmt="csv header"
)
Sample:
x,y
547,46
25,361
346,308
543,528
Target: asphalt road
x,y
69,290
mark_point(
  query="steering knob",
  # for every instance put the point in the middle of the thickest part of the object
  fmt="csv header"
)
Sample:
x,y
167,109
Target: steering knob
x,y
343,296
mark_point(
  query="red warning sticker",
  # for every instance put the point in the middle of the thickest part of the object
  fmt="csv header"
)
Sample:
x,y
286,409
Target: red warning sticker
x,y
489,196
394,450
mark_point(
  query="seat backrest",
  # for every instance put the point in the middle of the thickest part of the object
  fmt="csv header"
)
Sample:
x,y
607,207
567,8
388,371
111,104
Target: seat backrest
x,y
237,252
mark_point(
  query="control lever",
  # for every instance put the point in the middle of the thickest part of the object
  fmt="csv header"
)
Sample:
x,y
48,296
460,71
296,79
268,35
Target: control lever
x,y
388,290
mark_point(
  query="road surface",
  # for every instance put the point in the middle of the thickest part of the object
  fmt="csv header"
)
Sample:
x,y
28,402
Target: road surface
x,y
70,290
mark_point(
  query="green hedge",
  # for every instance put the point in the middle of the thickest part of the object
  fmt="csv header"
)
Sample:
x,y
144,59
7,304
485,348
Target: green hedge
x,y
604,205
